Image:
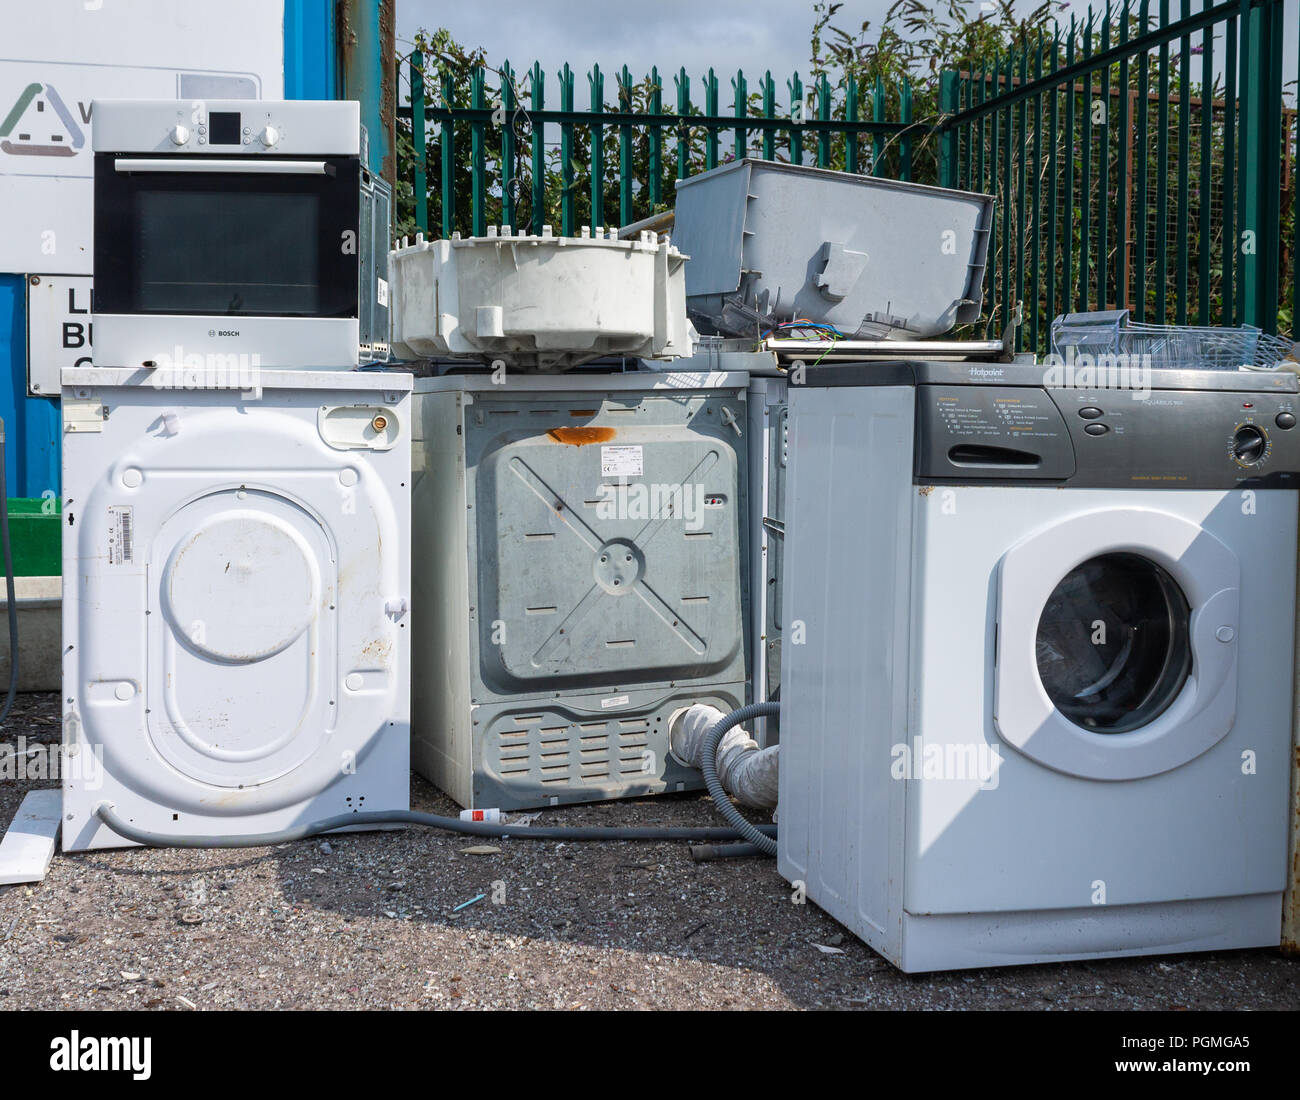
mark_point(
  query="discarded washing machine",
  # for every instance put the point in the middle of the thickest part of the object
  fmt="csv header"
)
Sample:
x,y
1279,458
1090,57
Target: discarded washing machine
x,y
236,538
1044,711
236,580
582,576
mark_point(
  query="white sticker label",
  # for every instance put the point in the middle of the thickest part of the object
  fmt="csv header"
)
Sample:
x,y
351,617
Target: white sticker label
x,y
121,534
616,700
621,462
381,291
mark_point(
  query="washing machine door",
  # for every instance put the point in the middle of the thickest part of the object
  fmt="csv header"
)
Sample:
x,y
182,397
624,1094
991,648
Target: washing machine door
x,y
1116,643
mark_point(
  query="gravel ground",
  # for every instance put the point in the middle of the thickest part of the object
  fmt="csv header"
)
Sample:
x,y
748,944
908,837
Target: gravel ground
x,y
368,921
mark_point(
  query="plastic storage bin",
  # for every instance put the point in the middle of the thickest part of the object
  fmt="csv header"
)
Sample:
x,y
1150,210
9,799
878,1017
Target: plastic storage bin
x,y
771,243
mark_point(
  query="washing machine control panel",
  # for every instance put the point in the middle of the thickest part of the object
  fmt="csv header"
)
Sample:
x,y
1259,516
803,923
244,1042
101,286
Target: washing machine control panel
x,y
998,432
1107,438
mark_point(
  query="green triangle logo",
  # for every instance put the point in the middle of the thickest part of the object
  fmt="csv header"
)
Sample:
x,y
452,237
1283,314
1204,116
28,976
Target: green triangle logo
x,y
39,124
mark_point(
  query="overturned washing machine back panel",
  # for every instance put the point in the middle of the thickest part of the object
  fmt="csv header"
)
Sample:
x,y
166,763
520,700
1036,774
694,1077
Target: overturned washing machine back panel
x,y
584,539
236,587
541,303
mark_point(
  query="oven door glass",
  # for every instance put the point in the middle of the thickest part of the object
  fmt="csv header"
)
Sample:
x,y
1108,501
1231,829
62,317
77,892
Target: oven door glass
x,y
249,236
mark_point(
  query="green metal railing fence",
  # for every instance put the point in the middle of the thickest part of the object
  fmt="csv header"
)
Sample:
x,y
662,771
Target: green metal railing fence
x,y
1139,160
578,173
1130,176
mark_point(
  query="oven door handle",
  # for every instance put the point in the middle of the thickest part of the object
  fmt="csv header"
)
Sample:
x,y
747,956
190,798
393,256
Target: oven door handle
x,y
210,165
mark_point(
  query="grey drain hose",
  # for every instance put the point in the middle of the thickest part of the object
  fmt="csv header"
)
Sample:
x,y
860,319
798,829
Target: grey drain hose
x,y
105,812
757,835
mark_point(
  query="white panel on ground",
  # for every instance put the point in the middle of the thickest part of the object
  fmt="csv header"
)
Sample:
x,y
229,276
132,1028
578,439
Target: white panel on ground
x,y
28,846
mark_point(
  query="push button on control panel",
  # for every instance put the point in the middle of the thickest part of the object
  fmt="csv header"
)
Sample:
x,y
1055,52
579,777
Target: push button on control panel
x,y
1091,412
1284,420
1096,429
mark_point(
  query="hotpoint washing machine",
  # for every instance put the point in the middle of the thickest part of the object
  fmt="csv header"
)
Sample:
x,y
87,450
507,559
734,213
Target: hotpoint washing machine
x,y
1036,686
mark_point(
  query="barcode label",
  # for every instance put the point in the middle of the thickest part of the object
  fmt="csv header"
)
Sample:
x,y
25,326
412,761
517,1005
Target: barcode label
x,y
121,534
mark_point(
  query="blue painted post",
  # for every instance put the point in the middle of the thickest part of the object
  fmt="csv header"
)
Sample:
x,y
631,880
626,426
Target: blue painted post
x,y
310,57
31,423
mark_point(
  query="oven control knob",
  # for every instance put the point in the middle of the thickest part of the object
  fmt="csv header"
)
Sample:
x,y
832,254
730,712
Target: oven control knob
x,y
1249,444
269,136
180,134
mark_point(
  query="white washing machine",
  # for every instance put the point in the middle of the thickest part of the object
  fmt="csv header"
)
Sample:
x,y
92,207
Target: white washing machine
x,y
236,578
1036,686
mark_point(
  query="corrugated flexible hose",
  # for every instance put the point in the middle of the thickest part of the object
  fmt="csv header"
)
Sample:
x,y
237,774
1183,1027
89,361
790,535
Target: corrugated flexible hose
x,y
760,836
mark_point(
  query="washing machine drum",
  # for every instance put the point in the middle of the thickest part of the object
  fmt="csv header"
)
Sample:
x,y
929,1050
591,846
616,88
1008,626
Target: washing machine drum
x,y
1116,643
1113,644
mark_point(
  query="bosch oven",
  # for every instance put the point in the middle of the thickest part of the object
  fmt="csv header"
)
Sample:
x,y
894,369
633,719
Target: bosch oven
x,y
244,228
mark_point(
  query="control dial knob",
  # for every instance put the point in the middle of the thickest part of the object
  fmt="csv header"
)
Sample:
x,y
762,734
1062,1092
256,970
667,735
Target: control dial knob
x,y
180,134
1249,444
269,136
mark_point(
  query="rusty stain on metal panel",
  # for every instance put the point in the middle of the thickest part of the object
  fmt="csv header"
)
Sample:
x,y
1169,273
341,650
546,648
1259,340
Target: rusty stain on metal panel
x,y
581,437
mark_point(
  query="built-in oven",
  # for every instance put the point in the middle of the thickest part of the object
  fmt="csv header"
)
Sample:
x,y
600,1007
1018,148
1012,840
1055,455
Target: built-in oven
x,y
237,228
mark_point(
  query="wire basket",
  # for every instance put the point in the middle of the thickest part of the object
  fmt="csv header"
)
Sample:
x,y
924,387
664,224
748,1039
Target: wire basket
x,y
1171,347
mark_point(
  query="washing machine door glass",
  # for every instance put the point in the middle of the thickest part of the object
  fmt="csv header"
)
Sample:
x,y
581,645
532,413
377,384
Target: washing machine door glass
x,y
1113,646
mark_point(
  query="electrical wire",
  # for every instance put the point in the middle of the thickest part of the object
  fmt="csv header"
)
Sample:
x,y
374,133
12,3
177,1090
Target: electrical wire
x,y
106,813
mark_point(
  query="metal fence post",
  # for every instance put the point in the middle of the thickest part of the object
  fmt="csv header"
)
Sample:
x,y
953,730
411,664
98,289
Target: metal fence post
x,y
796,118
538,92
851,115
625,166
683,83
596,79
948,136
769,111
567,182
509,102
447,146
419,183
741,107
655,142
478,155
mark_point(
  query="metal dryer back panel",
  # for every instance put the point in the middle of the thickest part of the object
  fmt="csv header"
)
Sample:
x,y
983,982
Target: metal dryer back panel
x,y
580,548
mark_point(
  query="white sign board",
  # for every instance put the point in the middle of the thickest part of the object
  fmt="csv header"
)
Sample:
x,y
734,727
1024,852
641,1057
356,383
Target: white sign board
x,y
56,56
58,329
